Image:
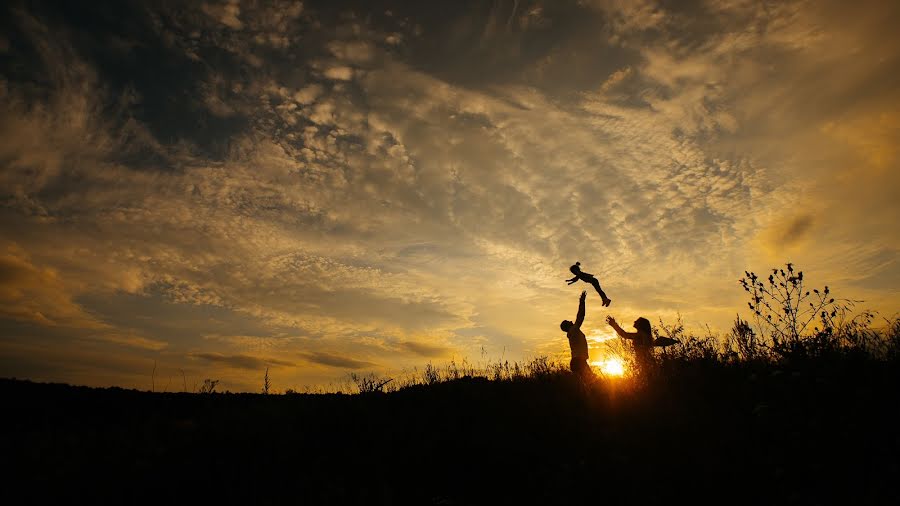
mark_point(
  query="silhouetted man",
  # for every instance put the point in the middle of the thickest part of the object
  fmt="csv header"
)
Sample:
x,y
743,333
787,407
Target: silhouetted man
x,y
577,342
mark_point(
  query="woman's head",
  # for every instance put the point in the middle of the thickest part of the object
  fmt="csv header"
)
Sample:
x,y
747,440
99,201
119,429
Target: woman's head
x,y
565,325
643,325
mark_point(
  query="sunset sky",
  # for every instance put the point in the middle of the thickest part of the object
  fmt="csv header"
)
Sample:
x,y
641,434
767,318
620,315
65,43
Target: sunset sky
x,y
331,187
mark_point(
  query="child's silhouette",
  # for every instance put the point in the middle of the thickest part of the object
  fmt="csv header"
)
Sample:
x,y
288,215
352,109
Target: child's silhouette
x,y
589,279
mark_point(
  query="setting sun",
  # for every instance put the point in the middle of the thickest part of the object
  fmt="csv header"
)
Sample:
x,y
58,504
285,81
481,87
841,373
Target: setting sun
x,y
611,366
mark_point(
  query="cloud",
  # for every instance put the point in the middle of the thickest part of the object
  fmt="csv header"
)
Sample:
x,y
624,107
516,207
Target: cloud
x,y
241,361
494,188
131,340
425,349
228,13
786,234
631,16
871,136
308,94
339,73
354,52
334,360
38,295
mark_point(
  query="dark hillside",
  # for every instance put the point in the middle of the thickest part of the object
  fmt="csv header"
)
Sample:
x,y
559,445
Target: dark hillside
x,y
724,433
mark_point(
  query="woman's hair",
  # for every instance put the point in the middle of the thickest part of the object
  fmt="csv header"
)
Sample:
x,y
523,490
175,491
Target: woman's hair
x,y
643,325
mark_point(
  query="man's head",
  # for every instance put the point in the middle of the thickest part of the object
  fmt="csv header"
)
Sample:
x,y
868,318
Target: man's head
x,y
565,325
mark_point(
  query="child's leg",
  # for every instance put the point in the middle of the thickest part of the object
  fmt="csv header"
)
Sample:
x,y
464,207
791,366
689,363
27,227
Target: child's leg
x,y
603,296
596,285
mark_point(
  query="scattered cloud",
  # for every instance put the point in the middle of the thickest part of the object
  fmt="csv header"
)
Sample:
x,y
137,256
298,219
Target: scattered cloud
x,y
130,340
354,52
241,361
334,360
38,295
228,13
308,94
339,73
786,234
425,349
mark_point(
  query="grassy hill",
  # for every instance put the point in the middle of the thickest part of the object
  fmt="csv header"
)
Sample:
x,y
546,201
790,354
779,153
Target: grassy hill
x,y
802,429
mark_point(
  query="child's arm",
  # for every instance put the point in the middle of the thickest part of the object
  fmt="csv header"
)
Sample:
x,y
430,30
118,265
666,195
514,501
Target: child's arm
x,y
570,281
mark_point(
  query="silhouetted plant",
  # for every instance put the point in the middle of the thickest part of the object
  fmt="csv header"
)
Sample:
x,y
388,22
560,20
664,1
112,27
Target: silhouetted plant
x,y
430,375
266,384
855,333
453,372
892,340
208,386
742,341
784,309
369,383
688,347
498,371
699,348
539,366
674,331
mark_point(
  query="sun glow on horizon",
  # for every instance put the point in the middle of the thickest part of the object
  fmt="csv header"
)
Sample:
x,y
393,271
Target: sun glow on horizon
x,y
612,366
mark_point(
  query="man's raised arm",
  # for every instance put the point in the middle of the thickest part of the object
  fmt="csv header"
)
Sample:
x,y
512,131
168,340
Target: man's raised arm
x,y
580,318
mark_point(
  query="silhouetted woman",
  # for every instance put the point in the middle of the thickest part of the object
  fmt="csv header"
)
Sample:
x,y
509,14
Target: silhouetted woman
x,y
589,279
642,340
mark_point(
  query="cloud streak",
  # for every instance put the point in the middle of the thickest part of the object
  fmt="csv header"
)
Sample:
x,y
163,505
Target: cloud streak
x,y
241,361
334,360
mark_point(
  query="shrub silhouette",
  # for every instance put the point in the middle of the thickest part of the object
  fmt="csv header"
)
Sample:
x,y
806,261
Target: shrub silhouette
x,y
208,386
368,383
741,342
784,309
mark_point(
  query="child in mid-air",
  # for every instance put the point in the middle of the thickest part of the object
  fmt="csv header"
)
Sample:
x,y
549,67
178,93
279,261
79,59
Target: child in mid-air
x,y
589,279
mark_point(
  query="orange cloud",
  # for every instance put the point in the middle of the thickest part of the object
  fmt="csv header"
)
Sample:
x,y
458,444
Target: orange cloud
x,y
38,295
872,137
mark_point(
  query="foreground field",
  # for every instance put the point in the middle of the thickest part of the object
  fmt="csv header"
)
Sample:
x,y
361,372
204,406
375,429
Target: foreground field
x,y
706,431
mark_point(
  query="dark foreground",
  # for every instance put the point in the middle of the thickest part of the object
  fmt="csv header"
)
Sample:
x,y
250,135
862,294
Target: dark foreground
x,y
725,435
